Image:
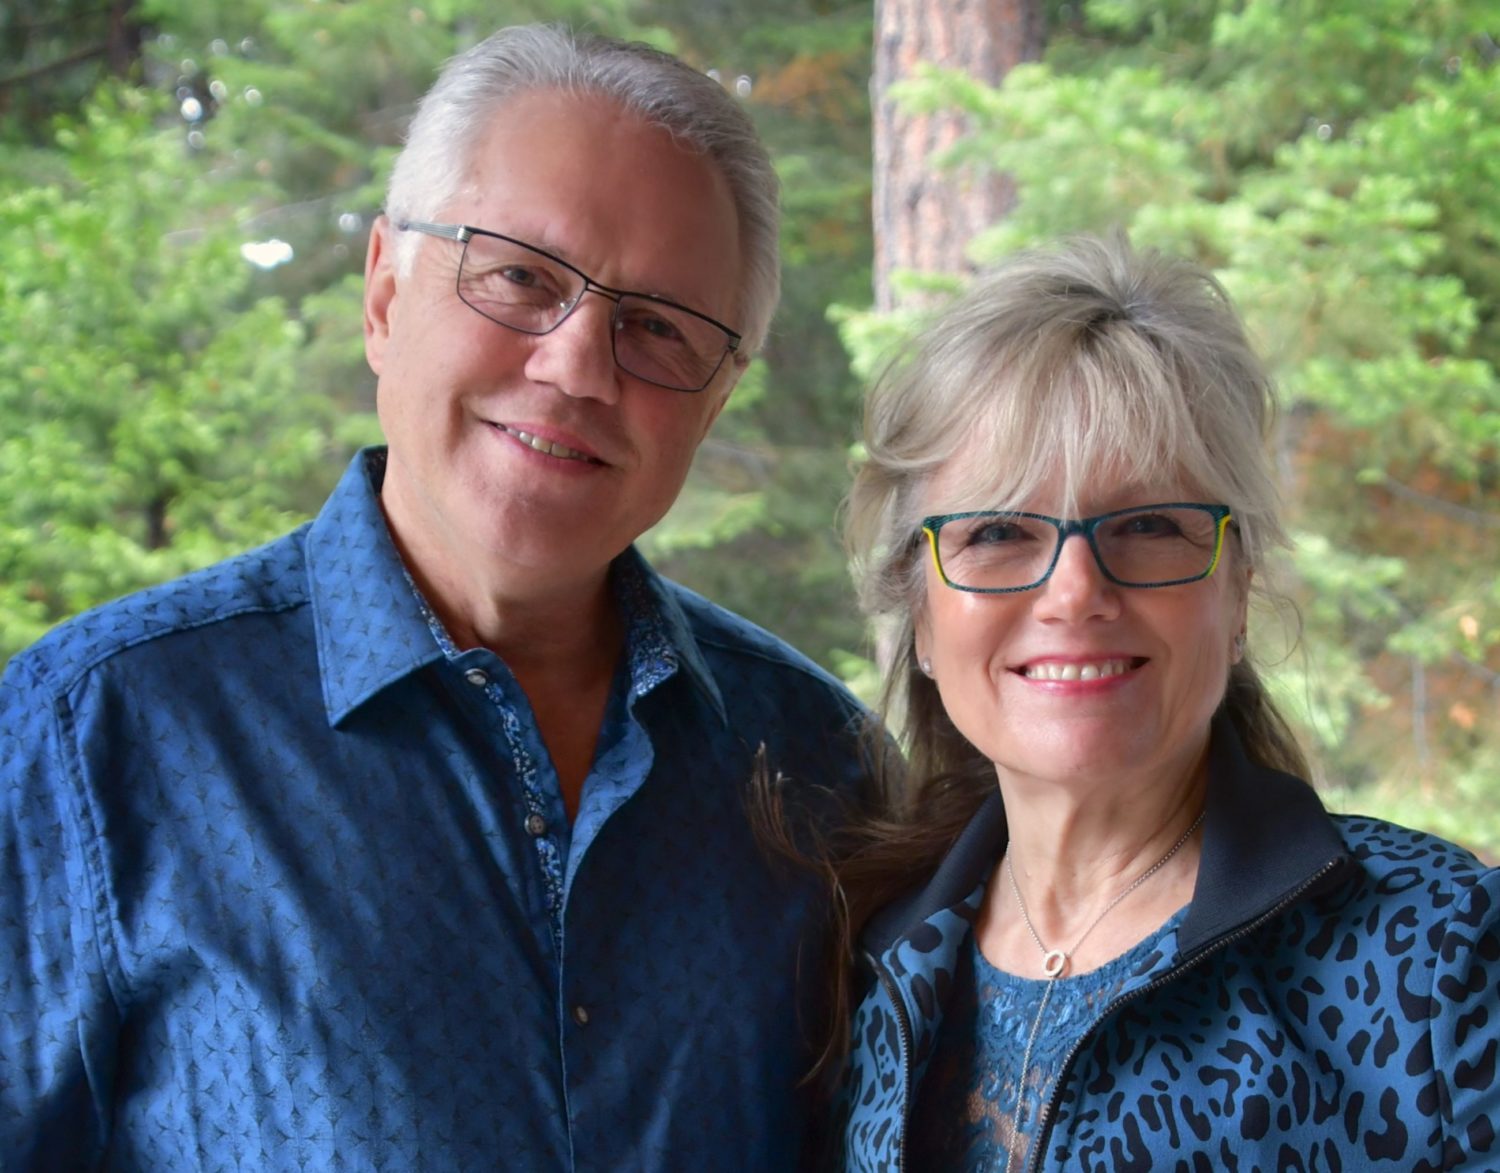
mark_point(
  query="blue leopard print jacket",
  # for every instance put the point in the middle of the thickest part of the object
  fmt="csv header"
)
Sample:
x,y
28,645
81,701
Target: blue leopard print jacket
x,y
1331,1001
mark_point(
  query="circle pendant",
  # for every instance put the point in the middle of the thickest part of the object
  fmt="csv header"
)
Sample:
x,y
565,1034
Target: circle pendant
x,y
1054,963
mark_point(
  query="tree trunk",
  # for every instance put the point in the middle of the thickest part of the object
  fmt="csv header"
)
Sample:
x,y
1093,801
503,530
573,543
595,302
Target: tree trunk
x,y
924,218
124,40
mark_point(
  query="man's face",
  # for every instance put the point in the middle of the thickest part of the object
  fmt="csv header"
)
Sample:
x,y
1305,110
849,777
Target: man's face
x,y
532,461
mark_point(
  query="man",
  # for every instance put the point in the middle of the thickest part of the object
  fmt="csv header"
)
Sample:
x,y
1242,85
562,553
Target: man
x,y
417,839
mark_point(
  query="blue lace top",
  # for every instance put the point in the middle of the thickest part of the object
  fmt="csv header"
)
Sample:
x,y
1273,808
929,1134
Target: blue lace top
x,y
965,1115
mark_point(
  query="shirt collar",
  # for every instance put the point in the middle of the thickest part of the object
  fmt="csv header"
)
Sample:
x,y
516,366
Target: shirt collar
x,y
371,623
660,636
369,626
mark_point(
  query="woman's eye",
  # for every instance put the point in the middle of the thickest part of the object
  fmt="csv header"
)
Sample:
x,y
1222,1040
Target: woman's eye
x,y
1151,525
995,533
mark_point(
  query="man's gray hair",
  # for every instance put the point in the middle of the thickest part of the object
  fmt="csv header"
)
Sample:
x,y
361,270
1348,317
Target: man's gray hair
x,y
653,85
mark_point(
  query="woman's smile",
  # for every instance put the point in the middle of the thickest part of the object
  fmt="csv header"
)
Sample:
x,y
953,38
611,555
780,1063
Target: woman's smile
x,y
1072,670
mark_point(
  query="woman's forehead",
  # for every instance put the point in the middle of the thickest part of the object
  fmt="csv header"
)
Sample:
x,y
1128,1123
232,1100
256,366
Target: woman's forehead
x,y
979,476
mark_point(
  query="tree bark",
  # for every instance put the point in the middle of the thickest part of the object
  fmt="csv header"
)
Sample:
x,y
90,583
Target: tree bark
x,y
124,38
924,218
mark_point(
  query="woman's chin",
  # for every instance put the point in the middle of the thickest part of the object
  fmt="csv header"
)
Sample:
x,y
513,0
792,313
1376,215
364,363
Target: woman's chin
x,y
1075,758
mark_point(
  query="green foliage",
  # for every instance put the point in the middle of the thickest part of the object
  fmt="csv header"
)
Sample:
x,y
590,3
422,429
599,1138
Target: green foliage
x,y
1335,163
755,530
157,421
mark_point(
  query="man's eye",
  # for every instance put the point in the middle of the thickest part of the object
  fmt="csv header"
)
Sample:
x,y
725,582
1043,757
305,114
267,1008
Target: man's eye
x,y
530,284
521,275
646,324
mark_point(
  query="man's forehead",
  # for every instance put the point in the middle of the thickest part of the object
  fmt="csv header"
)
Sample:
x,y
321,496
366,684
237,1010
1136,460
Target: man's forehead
x,y
611,193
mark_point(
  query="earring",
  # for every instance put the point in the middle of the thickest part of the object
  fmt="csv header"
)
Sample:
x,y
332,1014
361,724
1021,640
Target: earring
x,y
1239,647
926,666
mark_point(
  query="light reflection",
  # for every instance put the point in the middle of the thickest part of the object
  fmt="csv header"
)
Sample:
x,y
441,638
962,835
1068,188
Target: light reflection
x,y
266,254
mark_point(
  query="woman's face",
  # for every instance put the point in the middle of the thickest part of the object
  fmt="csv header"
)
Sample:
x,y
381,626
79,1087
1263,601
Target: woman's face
x,y
1079,678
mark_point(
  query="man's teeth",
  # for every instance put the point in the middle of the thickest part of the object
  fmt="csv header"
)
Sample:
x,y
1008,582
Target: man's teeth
x,y
546,446
1051,671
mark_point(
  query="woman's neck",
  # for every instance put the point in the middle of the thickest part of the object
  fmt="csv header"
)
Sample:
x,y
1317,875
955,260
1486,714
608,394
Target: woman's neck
x,y
1075,847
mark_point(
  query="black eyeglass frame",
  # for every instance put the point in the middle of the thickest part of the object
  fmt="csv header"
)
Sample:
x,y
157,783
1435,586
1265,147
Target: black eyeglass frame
x,y
463,233
1067,528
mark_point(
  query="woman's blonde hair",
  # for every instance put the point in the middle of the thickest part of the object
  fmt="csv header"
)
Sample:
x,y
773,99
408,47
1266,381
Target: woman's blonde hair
x,y
1056,364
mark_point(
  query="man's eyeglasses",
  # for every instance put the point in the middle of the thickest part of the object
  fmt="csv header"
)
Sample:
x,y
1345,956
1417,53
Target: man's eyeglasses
x,y
523,288
1145,546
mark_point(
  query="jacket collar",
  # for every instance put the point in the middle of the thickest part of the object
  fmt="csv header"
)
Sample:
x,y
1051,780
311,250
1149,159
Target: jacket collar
x,y
1265,835
371,628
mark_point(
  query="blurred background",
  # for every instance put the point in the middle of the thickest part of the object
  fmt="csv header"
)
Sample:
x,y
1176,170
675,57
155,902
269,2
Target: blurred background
x,y
186,187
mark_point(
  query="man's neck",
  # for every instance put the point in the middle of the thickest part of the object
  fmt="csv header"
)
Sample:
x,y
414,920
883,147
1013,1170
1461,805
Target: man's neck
x,y
561,640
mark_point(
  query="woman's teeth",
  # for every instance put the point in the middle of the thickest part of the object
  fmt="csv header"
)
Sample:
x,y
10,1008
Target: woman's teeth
x,y
1053,671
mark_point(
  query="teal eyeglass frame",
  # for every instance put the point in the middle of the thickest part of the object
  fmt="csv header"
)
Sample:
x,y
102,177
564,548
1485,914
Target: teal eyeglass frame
x,y
1081,526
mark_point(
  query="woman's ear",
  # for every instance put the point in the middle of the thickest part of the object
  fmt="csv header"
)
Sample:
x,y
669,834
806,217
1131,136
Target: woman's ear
x,y
1241,614
922,646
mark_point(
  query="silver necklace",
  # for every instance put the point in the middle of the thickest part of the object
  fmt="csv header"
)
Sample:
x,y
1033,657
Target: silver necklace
x,y
1055,963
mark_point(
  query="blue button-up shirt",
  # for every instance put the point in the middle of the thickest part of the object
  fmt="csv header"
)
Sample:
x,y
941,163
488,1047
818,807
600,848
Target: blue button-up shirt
x,y
286,883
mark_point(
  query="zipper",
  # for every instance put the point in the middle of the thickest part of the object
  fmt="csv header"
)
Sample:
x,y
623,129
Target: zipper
x,y
1039,1142
903,1023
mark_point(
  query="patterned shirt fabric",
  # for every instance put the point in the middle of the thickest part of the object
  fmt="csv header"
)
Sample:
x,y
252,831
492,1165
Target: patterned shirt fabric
x,y
965,1117
286,882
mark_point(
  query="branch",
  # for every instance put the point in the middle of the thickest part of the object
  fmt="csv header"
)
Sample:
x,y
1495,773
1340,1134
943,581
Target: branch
x,y
1437,505
78,58
291,211
62,21
1474,668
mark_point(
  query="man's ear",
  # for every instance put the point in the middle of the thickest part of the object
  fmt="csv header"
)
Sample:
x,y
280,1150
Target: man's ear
x,y
380,291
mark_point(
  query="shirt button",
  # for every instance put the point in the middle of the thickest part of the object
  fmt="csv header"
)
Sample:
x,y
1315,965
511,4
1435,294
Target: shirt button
x,y
580,1016
477,677
536,825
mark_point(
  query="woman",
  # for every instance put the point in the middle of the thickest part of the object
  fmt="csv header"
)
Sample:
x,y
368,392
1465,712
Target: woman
x,y
1131,938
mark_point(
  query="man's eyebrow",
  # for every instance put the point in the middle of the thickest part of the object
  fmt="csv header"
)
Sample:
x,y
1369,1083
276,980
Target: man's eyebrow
x,y
562,253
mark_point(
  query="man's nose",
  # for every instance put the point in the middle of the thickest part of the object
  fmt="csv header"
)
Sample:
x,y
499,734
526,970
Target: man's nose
x,y
577,356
